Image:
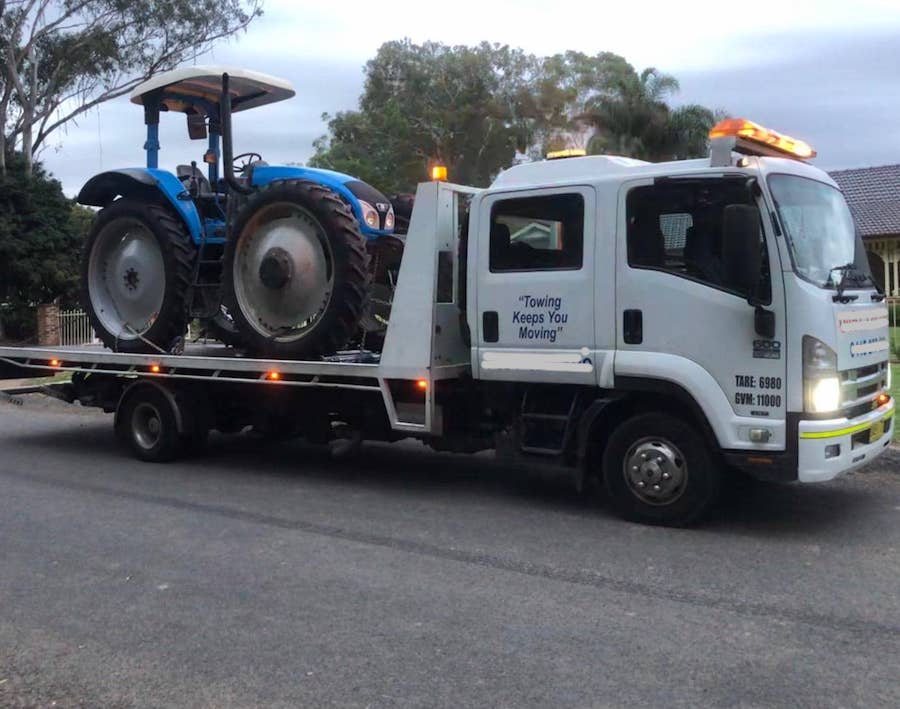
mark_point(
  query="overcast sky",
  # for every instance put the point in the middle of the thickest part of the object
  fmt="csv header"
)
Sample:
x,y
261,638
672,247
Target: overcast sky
x,y
821,70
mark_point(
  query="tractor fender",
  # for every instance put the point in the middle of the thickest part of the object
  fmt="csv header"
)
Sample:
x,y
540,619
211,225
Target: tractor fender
x,y
146,184
335,181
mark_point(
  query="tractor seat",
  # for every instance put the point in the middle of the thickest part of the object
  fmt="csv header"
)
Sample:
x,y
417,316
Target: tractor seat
x,y
184,174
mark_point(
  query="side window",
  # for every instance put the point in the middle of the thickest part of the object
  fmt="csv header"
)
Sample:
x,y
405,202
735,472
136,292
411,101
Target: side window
x,y
543,233
678,228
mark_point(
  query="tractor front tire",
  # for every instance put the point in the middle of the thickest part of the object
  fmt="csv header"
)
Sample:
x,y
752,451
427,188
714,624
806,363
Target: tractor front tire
x,y
136,277
296,271
221,327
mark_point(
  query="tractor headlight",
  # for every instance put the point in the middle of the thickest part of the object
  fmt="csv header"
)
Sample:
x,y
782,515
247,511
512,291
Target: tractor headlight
x,y
370,215
821,383
389,219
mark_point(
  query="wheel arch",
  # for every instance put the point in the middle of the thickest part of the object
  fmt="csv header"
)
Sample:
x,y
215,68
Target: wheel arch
x,y
634,396
146,185
143,385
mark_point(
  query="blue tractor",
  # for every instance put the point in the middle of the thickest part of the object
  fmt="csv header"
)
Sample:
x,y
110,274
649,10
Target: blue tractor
x,y
275,260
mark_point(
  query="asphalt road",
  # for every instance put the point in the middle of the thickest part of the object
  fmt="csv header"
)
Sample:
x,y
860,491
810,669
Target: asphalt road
x,y
276,577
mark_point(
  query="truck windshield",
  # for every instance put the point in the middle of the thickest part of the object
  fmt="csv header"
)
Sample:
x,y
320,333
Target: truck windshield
x,y
824,243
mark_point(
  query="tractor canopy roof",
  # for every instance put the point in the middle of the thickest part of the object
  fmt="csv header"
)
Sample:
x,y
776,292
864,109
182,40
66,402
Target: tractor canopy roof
x,y
186,89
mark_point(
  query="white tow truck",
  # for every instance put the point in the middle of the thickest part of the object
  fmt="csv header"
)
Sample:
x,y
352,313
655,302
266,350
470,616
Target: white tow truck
x,y
651,326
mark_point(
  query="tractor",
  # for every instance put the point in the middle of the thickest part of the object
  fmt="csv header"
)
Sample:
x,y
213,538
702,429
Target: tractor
x,y
275,260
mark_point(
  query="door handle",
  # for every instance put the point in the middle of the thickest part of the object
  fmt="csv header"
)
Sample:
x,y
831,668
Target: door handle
x,y
633,327
490,326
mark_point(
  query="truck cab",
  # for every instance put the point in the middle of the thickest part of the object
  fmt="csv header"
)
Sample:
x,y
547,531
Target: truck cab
x,y
732,293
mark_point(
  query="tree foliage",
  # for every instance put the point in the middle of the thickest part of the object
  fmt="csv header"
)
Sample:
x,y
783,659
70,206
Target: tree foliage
x,y
41,236
61,58
632,118
431,103
477,109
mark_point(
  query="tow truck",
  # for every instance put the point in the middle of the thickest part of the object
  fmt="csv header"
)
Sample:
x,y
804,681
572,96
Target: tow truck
x,y
652,327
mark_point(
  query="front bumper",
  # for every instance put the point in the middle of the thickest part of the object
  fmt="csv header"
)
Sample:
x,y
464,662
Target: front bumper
x,y
832,447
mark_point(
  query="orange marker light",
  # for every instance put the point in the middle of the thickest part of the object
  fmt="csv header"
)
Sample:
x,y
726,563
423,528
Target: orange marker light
x,y
55,363
154,368
567,153
422,384
439,173
882,399
755,133
273,376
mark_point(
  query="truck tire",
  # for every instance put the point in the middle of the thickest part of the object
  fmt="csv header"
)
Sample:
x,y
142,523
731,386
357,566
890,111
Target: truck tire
x,y
296,271
147,422
136,277
657,469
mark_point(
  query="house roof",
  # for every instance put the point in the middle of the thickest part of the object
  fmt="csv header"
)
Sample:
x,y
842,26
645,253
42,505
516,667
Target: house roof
x,y
873,194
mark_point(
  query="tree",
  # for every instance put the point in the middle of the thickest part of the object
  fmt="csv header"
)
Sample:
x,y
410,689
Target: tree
x,y
61,58
475,109
41,236
632,118
459,106
564,88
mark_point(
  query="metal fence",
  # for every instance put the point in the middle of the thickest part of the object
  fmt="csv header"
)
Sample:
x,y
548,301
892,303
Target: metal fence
x,y
75,328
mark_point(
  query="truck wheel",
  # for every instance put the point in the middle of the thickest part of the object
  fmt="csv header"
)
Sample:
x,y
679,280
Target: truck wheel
x,y
135,277
297,274
658,470
146,421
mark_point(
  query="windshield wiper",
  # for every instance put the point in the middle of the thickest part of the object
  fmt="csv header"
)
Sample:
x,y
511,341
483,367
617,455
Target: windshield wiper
x,y
849,274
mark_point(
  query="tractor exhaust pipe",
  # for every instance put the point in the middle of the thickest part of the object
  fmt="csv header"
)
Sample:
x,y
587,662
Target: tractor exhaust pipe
x,y
227,148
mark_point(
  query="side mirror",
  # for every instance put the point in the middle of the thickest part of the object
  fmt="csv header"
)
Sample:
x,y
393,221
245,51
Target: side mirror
x,y
196,125
741,250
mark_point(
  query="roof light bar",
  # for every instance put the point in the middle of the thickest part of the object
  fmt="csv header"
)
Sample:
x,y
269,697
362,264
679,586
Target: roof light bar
x,y
752,139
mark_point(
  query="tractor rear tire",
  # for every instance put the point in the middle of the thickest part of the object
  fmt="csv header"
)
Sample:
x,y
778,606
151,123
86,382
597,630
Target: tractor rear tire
x,y
296,271
136,277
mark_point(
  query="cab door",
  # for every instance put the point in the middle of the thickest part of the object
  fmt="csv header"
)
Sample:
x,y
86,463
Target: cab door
x,y
534,286
683,319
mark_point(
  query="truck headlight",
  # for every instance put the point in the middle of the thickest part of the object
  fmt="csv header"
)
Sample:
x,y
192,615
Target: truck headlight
x,y
370,215
389,219
825,395
821,383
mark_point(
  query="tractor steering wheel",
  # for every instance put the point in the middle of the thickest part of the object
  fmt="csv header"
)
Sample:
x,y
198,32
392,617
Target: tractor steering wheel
x,y
241,162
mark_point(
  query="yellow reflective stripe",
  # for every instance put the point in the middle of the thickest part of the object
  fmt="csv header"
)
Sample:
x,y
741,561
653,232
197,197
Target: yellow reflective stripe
x,y
846,431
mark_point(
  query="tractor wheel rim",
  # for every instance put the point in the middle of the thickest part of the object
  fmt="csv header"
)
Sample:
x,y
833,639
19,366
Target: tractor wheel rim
x,y
146,424
656,471
283,272
126,278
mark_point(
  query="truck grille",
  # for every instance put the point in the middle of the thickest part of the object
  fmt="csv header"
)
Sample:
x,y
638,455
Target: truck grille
x,y
859,387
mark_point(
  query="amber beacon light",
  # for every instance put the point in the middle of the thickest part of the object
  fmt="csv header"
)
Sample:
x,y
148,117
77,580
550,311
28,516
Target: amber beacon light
x,y
758,140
